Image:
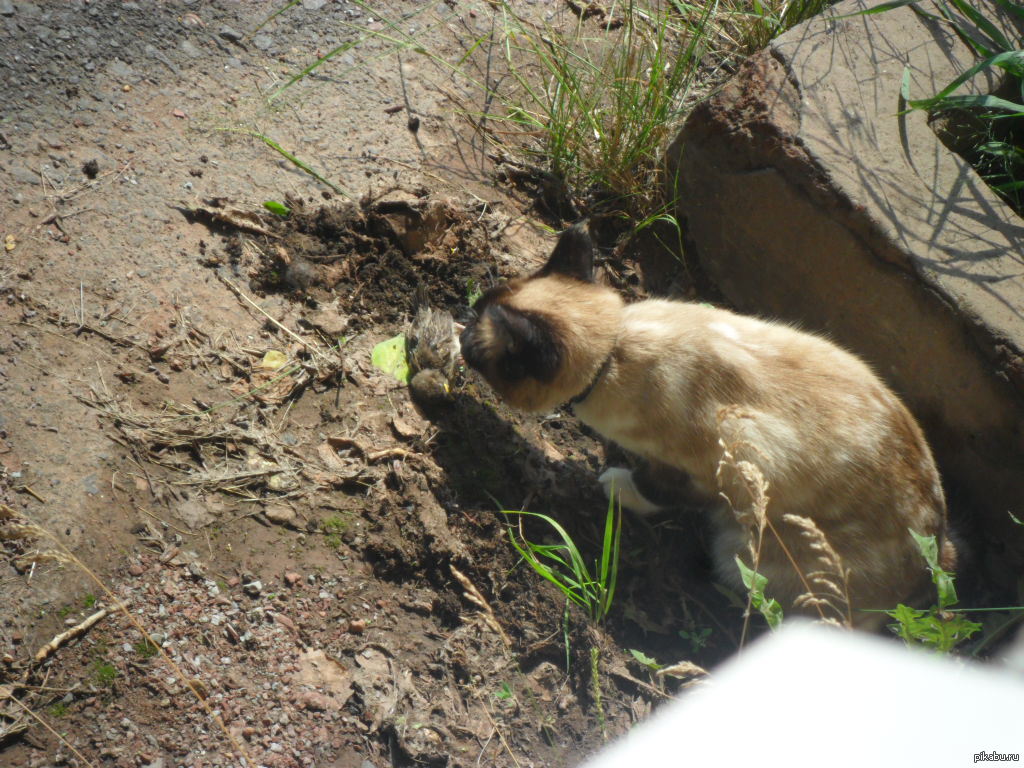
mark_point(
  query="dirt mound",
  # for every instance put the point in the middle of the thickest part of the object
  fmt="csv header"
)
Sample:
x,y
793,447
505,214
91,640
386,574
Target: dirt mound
x,y
371,257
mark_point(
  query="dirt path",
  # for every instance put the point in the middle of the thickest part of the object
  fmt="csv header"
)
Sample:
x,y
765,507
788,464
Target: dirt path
x,y
322,561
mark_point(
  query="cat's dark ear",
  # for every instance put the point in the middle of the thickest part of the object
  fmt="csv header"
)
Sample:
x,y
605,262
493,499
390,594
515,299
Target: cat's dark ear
x,y
573,255
518,345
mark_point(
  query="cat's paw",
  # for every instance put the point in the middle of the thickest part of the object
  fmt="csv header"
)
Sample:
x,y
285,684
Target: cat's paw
x,y
620,481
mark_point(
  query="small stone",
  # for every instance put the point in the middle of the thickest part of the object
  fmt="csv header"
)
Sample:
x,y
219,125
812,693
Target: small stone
x,y
315,701
280,514
230,34
285,622
6,8
357,626
189,49
291,578
253,588
136,570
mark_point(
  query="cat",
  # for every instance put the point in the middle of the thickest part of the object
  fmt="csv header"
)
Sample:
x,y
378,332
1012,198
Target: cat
x,y
698,390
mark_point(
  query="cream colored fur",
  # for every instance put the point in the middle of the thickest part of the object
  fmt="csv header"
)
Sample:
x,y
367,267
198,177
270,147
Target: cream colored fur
x,y
833,442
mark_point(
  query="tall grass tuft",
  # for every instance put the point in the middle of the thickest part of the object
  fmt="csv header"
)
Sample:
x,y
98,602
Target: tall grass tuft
x,y
593,105
563,565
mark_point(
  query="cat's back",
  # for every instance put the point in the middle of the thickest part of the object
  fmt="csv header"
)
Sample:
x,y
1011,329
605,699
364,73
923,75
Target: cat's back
x,y
748,358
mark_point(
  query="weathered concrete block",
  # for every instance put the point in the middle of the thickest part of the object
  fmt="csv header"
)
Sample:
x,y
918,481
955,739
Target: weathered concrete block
x,y
807,197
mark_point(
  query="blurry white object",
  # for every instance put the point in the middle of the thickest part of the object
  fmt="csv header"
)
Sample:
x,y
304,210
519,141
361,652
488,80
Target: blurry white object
x,y
812,696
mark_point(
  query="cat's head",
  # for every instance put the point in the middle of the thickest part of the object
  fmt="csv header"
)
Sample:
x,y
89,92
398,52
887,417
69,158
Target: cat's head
x,y
540,340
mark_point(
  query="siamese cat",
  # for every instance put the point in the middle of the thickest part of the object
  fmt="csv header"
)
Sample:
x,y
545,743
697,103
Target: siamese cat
x,y
679,384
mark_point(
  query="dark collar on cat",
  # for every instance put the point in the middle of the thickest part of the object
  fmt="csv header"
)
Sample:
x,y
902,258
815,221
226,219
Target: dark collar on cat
x,y
593,383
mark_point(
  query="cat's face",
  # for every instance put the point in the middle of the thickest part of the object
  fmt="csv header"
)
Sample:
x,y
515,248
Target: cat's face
x,y
534,338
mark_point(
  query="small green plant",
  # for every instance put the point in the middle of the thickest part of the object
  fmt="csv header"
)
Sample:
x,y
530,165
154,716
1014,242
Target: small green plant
x,y
697,637
755,584
473,291
333,527
504,692
103,672
146,649
938,627
563,565
58,709
651,664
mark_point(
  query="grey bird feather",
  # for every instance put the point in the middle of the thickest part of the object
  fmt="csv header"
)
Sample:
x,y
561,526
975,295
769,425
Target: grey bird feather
x,y
431,349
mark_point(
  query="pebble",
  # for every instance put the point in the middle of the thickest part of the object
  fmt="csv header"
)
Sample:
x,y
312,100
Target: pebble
x,y
6,8
136,570
253,588
189,49
357,626
280,514
291,578
91,484
315,701
229,33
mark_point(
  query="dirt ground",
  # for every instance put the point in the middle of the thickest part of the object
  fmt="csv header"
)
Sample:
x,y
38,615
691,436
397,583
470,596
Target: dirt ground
x,y
323,564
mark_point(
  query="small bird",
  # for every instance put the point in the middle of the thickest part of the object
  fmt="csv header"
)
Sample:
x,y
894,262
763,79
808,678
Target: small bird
x,y
431,349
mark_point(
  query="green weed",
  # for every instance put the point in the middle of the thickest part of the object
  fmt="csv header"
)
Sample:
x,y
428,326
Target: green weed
x,y
104,673
698,638
937,628
58,709
504,692
647,661
146,649
563,565
332,528
755,584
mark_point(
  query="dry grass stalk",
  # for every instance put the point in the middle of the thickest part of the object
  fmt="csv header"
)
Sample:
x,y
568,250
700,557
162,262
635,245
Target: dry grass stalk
x,y
831,596
753,516
472,594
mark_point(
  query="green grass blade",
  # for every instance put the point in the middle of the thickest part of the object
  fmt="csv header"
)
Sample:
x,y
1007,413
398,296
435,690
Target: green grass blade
x,y
273,16
306,71
989,61
1012,6
880,8
298,163
986,101
986,26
